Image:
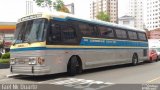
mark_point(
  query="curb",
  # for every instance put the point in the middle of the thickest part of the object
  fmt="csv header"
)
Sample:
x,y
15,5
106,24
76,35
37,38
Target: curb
x,y
3,66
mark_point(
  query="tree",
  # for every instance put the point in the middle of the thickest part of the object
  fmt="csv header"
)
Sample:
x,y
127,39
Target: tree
x,y
43,3
58,5
103,16
64,9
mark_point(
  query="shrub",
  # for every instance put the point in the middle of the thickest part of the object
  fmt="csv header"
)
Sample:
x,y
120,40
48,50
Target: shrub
x,y
6,56
4,61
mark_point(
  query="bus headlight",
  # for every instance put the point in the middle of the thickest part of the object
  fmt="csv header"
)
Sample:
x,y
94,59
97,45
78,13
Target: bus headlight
x,y
12,61
32,61
36,60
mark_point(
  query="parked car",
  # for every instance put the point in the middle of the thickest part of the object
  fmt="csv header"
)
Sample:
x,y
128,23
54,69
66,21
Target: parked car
x,y
153,56
158,52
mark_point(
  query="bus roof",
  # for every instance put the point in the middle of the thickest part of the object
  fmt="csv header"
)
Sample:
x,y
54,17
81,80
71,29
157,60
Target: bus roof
x,y
66,16
73,17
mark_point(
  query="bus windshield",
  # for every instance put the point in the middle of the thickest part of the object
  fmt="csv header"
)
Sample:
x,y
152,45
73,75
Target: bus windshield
x,y
30,31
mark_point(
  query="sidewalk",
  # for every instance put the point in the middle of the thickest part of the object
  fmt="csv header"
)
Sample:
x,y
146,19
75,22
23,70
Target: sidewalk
x,y
4,73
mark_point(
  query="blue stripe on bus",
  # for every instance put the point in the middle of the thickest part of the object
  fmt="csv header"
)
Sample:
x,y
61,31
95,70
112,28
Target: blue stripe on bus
x,y
106,42
60,19
91,42
117,44
69,18
44,48
28,49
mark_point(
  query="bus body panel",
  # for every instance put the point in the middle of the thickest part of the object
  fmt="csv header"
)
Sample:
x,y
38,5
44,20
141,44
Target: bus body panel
x,y
56,60
41,43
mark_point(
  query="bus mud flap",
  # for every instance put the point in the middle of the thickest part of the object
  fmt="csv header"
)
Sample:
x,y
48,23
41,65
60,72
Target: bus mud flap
x,y
11,69
32,69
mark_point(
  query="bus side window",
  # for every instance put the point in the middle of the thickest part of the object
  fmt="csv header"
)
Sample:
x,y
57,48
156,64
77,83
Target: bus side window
x,y
121,34
132,35
55,33
88,29
106,31
93,30
83,29
142,36
69,34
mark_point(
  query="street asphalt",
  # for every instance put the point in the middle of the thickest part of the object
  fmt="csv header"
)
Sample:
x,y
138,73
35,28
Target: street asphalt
x,y
121,74
4,73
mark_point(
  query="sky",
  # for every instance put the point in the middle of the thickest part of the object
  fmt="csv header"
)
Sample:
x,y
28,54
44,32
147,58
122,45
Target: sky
x,y
11,10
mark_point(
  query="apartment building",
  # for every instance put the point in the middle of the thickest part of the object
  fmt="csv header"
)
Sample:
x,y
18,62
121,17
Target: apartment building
x,y
108,6
136,8
29,7
153,14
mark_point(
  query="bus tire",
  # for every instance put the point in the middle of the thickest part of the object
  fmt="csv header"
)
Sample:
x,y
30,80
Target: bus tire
x,y
74,66
134,59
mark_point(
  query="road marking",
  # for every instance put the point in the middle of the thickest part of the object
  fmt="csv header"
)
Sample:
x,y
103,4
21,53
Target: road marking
x,y
75,80
80,83
155,79
62,81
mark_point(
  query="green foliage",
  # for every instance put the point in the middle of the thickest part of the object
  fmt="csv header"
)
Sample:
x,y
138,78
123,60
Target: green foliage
x,y
58,5
6,56
46,2
4,61
103,16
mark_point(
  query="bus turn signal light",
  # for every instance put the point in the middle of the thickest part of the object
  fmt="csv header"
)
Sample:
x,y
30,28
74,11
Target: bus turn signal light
x,y
41,60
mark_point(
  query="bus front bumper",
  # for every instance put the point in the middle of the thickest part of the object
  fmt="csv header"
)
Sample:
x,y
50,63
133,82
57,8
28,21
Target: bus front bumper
x,y
29,70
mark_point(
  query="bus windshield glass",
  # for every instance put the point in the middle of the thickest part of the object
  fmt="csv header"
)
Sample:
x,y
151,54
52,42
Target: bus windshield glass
x,y
30,31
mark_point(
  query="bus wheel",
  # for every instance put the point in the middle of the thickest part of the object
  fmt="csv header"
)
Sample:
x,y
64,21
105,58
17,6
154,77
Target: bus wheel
x,y
134,59
74,66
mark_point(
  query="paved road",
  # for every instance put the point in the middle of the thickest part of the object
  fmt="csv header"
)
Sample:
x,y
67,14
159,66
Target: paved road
x,y
122,74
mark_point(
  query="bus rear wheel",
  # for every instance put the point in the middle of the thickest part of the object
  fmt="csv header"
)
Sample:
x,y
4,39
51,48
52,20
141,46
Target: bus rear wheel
x,y
134,59
74,66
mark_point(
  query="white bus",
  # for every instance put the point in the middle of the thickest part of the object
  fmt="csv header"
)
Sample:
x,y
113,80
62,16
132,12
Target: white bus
x,y
58,42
